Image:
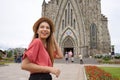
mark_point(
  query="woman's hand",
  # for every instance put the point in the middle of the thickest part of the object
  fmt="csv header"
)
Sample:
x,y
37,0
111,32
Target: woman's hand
x,y
55,71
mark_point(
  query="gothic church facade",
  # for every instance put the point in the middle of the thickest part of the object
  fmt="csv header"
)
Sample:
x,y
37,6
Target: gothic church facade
x,y
80,26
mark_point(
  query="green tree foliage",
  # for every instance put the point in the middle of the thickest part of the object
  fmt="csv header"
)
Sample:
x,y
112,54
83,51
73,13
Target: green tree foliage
x,y
9,54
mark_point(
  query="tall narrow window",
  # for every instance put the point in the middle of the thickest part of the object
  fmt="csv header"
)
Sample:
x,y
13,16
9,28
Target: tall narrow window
x,y
65,17
71,16
57,1
68,12
93,36
62,24
74,23
80,1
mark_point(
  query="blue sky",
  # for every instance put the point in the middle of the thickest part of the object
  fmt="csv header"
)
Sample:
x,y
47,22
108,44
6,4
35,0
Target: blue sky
x,y
18,16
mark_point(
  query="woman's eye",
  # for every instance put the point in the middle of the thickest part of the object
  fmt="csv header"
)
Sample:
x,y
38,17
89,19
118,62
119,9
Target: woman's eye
x,y
41,26
47,27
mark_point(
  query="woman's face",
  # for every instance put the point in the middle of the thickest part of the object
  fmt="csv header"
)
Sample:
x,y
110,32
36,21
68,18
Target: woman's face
x,y
44,30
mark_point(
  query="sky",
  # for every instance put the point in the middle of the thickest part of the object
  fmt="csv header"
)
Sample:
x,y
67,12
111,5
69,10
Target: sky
x,y
18,16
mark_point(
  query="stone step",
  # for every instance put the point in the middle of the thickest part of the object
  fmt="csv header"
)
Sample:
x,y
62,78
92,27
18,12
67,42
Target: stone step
x,y
90,61
77,61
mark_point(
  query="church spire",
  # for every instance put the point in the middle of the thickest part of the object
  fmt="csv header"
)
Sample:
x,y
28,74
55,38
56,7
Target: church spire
x,y
44,3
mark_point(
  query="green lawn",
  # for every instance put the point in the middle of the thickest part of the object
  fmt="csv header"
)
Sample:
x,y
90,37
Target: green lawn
x,y
114,71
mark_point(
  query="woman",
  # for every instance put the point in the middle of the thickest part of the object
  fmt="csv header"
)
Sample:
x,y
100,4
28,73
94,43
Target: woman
x,y
39,57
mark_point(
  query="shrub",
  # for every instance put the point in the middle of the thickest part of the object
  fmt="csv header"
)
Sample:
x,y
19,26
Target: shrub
x,y
98,56
106,58
117,56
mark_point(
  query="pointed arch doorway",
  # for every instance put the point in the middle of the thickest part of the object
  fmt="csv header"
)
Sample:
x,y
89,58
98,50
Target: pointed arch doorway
x,y
68,44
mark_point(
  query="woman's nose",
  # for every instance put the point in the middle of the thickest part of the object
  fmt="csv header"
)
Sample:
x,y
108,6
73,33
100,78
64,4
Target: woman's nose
x,y
45,28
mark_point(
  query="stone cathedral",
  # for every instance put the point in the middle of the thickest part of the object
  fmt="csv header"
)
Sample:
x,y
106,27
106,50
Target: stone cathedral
x,y
80,26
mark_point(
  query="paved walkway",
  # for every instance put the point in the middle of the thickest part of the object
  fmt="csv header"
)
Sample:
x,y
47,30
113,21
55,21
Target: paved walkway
x,y
69,71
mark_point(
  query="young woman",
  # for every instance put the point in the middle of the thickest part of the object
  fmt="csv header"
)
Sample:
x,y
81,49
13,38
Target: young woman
x,y
39,57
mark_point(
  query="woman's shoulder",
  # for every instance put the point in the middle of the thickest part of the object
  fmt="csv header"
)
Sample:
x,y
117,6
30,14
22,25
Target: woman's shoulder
x,y
36,41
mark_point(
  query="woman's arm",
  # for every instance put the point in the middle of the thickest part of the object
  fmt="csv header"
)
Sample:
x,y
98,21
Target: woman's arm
x,y
34,68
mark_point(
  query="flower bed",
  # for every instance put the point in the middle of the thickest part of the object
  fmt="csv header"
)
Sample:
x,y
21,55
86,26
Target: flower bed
x,y
95,73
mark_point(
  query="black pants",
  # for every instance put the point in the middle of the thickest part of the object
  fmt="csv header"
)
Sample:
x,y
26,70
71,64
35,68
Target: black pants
x,y
40,76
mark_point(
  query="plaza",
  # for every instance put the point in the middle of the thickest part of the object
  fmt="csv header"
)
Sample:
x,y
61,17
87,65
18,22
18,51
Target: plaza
x,y
69,71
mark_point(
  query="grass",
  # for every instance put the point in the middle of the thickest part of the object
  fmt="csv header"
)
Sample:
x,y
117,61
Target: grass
x,y
114,71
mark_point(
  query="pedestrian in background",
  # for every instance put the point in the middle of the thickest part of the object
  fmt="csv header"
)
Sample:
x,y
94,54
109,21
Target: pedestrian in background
x,y
81,59
66,56
70,55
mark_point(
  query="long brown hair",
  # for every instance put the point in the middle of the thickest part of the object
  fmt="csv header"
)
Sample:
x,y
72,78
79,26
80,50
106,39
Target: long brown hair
x,y
49,40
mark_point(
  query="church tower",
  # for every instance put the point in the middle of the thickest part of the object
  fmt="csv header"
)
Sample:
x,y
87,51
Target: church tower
x,y
79,25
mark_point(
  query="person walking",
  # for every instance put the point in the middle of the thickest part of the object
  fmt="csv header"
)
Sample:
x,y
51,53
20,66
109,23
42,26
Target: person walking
x,y
72,58
38,59
81,59
66,57
70,55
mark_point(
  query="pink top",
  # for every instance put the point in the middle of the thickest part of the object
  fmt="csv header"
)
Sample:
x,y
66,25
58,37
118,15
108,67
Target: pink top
x,y
37,54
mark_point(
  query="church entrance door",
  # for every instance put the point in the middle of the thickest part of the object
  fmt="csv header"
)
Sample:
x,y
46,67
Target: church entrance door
x,y
68,49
